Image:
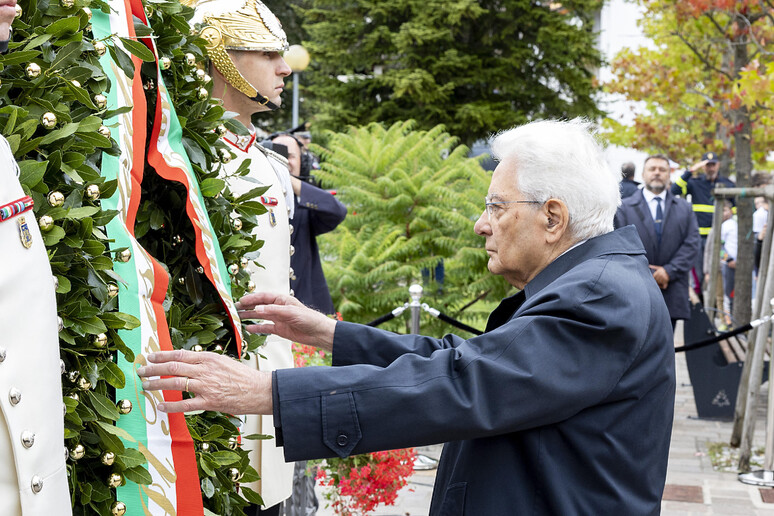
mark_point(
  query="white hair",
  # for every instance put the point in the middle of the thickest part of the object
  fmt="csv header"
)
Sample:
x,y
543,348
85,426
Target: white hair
x,y
563,160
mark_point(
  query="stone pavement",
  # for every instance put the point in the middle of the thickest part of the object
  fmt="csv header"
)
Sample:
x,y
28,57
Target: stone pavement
x,y
693,487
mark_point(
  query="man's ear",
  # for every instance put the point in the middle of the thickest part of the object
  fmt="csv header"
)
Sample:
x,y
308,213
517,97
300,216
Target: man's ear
x,y
557,219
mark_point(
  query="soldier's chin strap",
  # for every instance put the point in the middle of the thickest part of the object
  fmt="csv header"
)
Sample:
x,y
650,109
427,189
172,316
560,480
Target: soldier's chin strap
x,y
264,101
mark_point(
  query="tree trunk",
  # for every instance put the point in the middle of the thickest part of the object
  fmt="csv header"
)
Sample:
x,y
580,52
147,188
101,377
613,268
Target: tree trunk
x,y
744,206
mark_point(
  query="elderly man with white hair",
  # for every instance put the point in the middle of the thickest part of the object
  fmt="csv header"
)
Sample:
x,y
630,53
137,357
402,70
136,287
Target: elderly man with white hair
x,y
562,407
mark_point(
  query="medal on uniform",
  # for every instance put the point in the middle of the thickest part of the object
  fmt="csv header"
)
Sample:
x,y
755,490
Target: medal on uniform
x,y
272,218
24,233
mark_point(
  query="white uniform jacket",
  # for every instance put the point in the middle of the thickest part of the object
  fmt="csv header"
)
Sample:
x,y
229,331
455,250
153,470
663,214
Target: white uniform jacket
x,y
33,477
267,168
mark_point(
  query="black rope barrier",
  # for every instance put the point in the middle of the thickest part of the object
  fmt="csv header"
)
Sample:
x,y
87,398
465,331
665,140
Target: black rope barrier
x,y
383,319
715,339
457,324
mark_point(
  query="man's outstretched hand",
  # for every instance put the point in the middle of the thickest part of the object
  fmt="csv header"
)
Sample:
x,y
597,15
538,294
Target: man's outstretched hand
x,y
287,317
218,382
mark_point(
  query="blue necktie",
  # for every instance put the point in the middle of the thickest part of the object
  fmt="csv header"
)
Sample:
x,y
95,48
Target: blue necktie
x,y
657,222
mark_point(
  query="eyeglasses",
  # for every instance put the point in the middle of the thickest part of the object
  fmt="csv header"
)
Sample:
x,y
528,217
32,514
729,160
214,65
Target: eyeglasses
x,y
493,206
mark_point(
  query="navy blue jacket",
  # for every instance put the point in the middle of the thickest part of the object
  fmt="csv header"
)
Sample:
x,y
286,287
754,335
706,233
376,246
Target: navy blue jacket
x,y
563,407
316,212
628,187
679,247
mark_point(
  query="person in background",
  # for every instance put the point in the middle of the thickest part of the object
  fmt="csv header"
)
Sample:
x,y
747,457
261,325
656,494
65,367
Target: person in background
x,y
728,239
699,187
628,185
668,230
317,212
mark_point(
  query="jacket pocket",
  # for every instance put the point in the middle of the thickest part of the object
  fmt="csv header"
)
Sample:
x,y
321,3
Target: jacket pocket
x,y
454,500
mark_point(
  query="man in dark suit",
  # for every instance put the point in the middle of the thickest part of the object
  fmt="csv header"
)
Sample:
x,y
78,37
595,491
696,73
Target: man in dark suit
x,y
563,407
669,231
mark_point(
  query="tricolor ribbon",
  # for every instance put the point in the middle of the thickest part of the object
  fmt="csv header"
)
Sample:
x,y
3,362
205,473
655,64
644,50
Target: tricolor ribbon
x,y
162,438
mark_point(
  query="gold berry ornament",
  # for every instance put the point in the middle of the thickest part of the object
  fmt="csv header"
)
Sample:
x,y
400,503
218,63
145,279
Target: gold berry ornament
x,y
118,509
77,452
236,224
251,286
67,3
124,406
101,340
104,131
124,256
112,290
46,223
225,155
100,48
19,11
115,480
56,199
190,59
48,120
92,192
165,63
198,348
100,101
108,458
33,70
84,384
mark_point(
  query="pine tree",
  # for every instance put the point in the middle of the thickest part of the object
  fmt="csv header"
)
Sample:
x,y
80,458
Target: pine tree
x,y
475,66
413,198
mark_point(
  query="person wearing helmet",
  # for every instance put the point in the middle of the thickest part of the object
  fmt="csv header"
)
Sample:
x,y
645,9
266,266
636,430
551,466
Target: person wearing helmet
x,y
245,42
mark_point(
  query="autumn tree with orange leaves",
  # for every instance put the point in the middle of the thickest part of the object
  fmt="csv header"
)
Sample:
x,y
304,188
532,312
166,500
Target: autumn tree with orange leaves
x,y
705,85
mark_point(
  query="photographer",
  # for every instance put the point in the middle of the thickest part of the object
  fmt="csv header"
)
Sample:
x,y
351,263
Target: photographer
x,y
317,211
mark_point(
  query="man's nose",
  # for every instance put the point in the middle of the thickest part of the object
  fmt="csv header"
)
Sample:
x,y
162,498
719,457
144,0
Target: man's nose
x,y
482,226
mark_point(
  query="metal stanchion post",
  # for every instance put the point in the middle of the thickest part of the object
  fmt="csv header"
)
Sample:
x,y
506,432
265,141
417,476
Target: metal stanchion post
x,y
415,291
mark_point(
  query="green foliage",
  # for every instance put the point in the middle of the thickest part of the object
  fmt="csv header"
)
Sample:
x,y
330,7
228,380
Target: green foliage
x,y
66,158
413,197
474,66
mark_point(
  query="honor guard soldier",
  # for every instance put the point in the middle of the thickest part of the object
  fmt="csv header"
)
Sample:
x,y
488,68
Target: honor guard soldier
x,y
33,476
245,41
700,187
